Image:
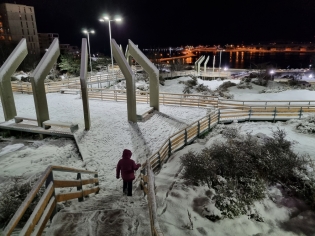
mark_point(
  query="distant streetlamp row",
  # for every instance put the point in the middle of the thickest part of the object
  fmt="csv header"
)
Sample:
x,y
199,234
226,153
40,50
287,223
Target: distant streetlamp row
x,y
88,32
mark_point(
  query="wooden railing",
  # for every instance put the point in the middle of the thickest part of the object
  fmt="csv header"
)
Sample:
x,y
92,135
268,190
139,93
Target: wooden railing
x,y
155,162
155,227
46,207
72,83
241,103
165,98
265,112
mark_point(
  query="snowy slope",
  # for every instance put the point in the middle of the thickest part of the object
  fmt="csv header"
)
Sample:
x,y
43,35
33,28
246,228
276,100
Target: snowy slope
x,y
102,146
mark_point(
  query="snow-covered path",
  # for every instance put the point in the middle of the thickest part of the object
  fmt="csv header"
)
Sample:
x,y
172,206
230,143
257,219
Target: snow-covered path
x,y
101,147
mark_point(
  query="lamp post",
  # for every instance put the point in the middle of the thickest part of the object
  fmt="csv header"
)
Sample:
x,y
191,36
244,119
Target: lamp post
x,y
272,73
220,59
88,36
106,18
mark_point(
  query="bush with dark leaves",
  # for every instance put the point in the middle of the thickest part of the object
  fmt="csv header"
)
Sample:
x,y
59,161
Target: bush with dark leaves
x,y
247,167
223,87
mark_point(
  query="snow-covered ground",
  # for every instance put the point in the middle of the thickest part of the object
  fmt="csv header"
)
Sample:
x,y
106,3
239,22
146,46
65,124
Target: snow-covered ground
x,y
101,148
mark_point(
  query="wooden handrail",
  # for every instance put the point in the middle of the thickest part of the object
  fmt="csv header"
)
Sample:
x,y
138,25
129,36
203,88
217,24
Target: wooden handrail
x,y
41,209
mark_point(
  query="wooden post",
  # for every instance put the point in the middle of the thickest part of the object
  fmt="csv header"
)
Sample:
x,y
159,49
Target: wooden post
x,y
274,115
185,137
97,183
198,130
49,179
209,122
300,113
250,113
219,116
102,94
169,148
79,188
159,156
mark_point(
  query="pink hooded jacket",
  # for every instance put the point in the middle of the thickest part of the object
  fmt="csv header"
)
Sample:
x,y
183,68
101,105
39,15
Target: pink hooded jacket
x,y
126,166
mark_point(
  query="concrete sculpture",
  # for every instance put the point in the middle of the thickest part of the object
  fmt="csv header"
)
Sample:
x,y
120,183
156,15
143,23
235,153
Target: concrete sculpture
x,y
149,67
6,71
83,77
130,81
38,78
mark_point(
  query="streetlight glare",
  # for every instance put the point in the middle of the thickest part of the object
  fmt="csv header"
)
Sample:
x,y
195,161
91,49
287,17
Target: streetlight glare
x,y
85,31
106,17
92,31
101,20
118,19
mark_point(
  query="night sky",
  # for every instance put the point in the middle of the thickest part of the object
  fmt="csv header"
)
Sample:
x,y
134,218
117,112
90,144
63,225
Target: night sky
x,y
167,23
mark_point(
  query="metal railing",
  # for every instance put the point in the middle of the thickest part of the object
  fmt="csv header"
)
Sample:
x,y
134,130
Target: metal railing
x,y
46,207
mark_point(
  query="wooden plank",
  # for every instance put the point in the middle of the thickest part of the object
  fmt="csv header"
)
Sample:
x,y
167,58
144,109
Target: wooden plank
x,y
74,183
91,190
68,196
45,217
38,211
90,181
178,138
67,183
145,178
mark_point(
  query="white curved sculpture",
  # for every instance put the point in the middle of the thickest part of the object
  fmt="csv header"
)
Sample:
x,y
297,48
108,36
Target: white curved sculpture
x,y
6,71
38,78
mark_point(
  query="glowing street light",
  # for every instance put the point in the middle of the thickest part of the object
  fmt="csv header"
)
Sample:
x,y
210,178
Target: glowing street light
x,y
106,18
88,36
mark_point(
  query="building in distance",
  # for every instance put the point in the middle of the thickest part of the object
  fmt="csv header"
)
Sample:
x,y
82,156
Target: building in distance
x,y
17,22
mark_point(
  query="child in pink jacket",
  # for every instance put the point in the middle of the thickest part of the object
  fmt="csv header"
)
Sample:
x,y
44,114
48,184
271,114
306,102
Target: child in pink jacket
x,y
127,166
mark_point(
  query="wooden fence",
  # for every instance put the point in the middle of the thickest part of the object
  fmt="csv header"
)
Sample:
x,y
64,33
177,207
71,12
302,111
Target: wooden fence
x,y
165,98
72,83
46,207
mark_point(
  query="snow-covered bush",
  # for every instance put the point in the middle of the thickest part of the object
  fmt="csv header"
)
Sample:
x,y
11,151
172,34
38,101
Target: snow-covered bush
x,y
14,78
226,95
202,88
12,196
223,87
307,125
244,86
240,169
273,90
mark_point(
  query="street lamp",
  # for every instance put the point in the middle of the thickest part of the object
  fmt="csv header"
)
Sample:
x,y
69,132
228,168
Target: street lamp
x,y
88,36
106,18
